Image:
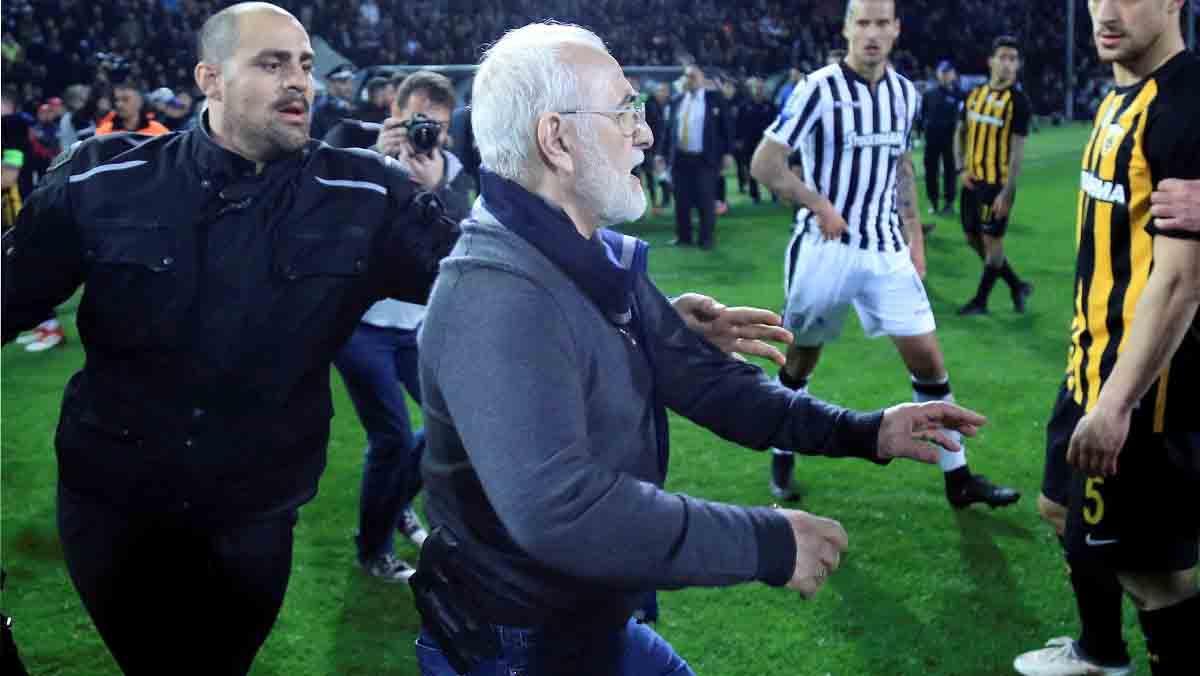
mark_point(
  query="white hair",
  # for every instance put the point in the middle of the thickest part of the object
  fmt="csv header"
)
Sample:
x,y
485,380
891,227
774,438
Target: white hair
x,y
521,77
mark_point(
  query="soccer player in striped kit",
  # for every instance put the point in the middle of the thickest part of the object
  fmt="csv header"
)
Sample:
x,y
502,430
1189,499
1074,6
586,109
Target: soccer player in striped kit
x,y
852,121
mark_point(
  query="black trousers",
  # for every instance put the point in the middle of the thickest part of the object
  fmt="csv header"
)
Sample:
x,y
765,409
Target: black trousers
x,y
695,188
939,154
744,176
172,596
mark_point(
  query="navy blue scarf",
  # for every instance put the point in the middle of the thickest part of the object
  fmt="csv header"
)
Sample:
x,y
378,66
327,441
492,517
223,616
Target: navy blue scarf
x,y
604,267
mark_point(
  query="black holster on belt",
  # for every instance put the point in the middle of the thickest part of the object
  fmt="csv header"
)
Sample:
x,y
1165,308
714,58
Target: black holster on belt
x,y
440,590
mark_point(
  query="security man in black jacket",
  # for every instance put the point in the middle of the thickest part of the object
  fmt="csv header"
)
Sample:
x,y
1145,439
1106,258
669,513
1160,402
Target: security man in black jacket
x,y
939,115
223,267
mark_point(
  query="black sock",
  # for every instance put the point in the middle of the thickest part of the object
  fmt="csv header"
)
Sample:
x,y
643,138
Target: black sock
x,y
1098,598
955,478
1010,277
985,284
790,382
1171,637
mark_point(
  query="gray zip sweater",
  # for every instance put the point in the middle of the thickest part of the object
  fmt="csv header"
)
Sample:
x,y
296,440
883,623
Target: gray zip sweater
x,y
542,452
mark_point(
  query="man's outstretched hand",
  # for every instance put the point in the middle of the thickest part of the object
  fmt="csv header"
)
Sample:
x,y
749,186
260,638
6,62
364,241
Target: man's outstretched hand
x,y
910,430
736,330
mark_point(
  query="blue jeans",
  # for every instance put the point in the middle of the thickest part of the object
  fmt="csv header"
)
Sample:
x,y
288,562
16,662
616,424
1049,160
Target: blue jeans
x,y
377,365
642,653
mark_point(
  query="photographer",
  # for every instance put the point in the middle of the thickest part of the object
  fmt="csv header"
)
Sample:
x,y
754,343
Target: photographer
x,y
379,361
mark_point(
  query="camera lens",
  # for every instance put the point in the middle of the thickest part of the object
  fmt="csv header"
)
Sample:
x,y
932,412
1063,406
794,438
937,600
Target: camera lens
x,y
423,135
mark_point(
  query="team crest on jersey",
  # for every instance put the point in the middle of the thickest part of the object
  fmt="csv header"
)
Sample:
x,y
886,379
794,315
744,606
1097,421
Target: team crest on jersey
x,y
1112,135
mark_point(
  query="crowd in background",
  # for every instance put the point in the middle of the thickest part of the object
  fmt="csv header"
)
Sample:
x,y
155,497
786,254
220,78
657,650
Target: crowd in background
x,y
66,61
49,45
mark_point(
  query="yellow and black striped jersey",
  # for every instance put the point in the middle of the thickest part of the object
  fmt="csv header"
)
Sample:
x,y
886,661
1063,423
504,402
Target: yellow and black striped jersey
x,y
991,117
1142,134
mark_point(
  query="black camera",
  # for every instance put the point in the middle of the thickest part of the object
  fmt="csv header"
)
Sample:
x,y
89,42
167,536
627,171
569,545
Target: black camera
x,y
423,134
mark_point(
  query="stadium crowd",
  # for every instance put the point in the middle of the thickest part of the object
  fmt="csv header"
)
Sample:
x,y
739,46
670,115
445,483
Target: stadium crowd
x,y
50,44
72,69
259,191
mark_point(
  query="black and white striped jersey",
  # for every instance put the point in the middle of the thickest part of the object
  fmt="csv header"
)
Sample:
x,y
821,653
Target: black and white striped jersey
x,y
852,139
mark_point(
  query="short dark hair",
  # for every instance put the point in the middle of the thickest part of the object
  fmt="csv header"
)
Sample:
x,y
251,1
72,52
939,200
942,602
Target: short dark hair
x,y
436,87
1005,41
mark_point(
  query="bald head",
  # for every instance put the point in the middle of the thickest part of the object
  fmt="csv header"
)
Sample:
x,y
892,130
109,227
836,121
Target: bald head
x,y
219,34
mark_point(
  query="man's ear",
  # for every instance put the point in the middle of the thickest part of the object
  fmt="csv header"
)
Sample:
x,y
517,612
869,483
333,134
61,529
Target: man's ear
x,y
208,79
553,143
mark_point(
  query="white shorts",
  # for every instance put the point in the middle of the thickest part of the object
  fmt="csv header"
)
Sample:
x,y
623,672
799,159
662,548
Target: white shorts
x,y
823,277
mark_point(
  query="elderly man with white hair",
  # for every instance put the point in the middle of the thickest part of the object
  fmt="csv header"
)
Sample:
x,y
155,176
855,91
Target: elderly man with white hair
x,y
548,360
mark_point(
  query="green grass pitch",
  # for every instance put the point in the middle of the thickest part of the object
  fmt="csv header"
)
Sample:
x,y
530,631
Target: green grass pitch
x,y
923,589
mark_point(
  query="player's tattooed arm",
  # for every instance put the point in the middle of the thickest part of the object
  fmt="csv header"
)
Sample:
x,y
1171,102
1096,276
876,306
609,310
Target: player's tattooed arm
x,y
769,167
1016,157
906,193
906,203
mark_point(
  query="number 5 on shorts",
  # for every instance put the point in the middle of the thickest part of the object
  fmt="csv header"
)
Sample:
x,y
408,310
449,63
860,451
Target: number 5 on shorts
x,y
1090,515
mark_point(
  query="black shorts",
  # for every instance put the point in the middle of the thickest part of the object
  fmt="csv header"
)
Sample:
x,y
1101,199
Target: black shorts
x,y
976,209
1056,479
1146,518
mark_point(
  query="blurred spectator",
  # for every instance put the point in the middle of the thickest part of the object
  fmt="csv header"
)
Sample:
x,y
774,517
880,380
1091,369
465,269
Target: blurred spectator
x,y
11,161
334,106
129,114
728,89
17,134
44,142
179,113
75,97
378,104
658,118
795,75
49,44
753,117
462,141
940,113
97,106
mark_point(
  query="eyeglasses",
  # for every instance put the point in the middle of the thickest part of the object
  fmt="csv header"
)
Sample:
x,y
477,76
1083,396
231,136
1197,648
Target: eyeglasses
x,y
628,119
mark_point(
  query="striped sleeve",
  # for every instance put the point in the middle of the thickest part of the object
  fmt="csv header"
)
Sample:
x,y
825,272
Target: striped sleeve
x,y
912,104
799,114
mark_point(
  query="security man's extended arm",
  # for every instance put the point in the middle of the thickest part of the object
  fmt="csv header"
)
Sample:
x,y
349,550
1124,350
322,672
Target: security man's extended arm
x,y
43,261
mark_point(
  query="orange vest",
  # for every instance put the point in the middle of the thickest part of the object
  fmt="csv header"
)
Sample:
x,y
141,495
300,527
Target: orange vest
x,y
107,125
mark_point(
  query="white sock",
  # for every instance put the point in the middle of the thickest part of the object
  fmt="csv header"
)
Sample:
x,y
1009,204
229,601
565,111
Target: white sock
x,y
49,325
939,390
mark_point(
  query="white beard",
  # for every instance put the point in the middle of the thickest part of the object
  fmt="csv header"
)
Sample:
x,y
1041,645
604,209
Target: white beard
x,y
606,190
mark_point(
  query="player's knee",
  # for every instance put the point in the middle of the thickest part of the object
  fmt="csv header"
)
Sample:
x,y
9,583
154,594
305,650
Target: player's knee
x,y
1154,591
1053,513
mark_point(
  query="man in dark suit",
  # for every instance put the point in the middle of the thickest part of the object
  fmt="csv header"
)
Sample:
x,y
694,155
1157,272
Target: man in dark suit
x,y
699,138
